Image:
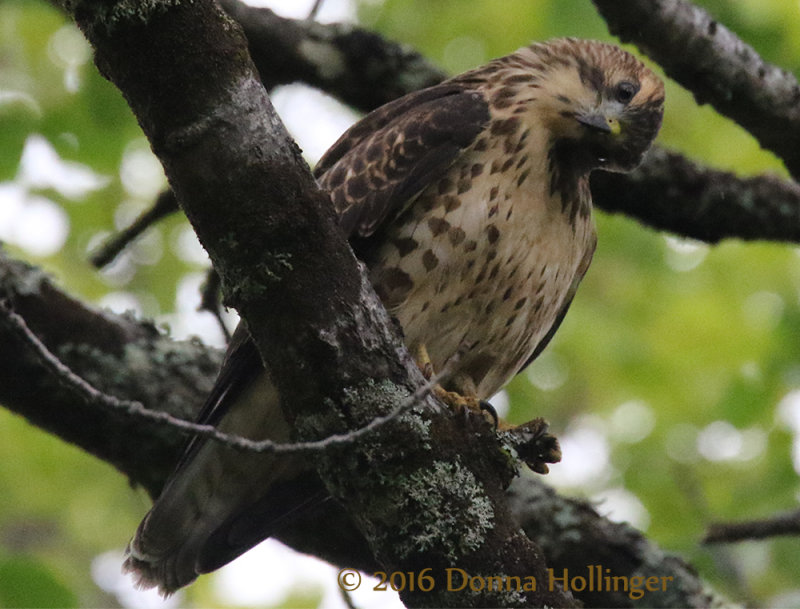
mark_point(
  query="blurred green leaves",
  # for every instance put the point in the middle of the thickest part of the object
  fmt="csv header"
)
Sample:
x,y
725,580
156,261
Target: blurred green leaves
x,y
28,583
695,347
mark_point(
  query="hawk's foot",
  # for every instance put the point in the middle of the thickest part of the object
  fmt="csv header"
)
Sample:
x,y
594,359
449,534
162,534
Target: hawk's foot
x,y
466,404
459,403
534,445
488,409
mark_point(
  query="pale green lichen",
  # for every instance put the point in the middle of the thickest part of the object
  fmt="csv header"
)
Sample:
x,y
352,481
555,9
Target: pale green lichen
x,y
383,397
457,511
273,269
439,506
157,358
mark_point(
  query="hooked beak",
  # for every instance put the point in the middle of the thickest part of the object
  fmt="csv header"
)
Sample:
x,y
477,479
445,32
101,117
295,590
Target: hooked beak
x,y
599,122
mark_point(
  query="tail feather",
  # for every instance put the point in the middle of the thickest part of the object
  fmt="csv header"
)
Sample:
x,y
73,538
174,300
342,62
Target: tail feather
x,y
221,501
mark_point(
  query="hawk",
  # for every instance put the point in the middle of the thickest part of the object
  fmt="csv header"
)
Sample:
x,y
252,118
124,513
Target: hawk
x,y
469,203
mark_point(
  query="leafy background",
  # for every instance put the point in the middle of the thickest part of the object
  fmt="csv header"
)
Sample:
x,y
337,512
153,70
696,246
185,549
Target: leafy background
x,y
673,383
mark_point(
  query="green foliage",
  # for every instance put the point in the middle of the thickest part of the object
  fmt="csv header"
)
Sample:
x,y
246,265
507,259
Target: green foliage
x,y
28,583
672,351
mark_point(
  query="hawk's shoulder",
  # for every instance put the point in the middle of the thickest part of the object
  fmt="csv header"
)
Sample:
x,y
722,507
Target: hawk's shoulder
x,y
393,153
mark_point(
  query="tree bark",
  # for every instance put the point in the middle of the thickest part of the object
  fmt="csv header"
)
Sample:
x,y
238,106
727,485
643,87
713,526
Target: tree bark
x,y
185,71
118,354
668,192
718,67
130,360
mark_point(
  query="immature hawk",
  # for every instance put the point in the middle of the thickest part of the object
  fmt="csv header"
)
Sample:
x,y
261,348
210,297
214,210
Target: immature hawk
x,y
469,202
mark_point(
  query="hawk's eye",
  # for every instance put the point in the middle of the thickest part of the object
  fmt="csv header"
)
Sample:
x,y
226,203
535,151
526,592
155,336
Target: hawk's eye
x,y
625,91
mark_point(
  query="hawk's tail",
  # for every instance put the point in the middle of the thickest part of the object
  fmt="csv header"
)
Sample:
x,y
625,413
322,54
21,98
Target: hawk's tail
x,y
221,501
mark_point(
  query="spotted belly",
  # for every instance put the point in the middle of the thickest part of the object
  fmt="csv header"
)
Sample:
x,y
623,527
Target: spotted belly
x,y
479,279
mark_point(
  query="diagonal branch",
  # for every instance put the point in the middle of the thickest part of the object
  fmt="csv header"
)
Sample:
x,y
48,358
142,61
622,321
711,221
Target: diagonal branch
x,y
100,400
351,63
185,72
576,539
719,68
119,355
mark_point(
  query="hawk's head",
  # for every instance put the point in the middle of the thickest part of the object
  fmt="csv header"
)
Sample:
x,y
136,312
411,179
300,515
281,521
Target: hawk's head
x,y
598,101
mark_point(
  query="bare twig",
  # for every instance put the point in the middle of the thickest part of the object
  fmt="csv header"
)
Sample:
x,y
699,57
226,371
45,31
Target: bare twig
x,y
210,300
787,523
719,68
164,205
312,14
137,409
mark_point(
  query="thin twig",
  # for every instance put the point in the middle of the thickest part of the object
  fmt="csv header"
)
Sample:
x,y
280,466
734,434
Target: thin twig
x,y
787,523
133,408
312,14
210,301
164,205
347,598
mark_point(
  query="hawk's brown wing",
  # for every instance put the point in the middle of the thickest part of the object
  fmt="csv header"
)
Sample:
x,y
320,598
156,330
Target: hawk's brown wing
x,y
381,163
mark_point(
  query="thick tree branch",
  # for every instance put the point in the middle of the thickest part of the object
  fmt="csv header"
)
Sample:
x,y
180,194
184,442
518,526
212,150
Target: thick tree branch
x,y
576,539
713,63
353,64
114,353
669,192
185,71
164,377
98,399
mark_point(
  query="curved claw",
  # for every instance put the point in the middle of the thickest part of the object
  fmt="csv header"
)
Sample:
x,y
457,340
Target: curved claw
x,y
486,407
534,445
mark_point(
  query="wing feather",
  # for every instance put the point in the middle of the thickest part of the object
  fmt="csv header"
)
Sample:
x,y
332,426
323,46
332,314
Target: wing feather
x,y
381,163
242,364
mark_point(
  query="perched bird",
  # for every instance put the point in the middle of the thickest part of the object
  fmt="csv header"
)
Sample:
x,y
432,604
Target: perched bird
x,y
469,202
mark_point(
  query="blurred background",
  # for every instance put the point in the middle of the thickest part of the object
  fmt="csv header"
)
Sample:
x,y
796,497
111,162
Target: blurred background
x,y
673,385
